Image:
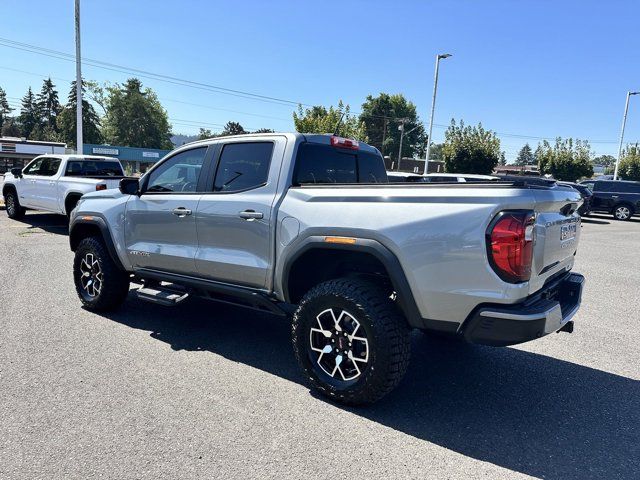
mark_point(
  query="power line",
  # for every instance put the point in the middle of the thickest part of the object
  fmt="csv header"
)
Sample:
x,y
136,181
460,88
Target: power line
x,y
204,86
145,74
164,99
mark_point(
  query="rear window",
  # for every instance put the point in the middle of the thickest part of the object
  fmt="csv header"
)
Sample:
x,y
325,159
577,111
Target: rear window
x,y
93,168
317,163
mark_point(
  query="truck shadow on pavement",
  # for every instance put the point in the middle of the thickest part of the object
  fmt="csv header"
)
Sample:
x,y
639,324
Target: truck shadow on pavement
x,y
526,412
47,222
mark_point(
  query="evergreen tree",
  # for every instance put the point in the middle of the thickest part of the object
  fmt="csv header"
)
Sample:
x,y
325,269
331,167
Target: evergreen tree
x,y
28,118
10,128
66,121
525,156
5,109
48,105
233,128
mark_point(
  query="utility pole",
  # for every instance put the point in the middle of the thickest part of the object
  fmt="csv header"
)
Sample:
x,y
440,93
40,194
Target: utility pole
x,y
79,148
401,128
624,123
433,107
384,134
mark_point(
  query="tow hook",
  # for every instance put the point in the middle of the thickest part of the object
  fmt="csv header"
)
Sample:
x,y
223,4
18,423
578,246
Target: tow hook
x,y
567,327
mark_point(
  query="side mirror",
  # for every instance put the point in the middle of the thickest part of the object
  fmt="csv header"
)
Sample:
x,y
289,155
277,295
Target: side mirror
x,y
129,186
16,172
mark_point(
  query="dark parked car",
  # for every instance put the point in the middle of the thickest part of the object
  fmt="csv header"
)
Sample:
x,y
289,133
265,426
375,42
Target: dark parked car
x,y
527,180
585,193
620,198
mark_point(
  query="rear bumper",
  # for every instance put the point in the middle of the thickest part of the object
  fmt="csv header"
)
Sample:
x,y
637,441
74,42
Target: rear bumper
x,y
547,311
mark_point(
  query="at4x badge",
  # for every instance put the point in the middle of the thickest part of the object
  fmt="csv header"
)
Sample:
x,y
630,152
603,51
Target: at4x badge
x,y
139,253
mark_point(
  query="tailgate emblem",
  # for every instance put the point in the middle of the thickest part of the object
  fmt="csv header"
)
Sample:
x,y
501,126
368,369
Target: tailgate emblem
x,y
568,232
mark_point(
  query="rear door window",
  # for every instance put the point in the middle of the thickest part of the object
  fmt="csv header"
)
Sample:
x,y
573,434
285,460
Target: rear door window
x,y
605,186
323,164
625,187
243,166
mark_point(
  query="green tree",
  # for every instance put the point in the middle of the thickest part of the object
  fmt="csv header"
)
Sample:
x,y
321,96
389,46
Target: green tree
x,y
503,159
5,109
525,156
435,153
605,160
66,120
320,120
10,128
263,130
566,159
28,118
470,149
48,105
233,128
629,168
205,133
382,117
135,117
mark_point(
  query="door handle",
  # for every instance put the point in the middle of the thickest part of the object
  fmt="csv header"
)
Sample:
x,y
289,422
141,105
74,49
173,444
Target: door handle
x,y
615,196
52,183
251,215
181,211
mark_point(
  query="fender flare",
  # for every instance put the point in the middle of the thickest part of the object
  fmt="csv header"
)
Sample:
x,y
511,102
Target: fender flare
x,y
405,299
66,197
98,221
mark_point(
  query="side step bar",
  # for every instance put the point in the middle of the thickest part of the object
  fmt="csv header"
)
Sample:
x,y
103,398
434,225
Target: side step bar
x,y
218,291
162,295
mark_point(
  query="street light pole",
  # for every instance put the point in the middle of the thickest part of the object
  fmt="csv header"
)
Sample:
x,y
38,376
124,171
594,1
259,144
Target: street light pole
x,y
433,107
624,123
78,84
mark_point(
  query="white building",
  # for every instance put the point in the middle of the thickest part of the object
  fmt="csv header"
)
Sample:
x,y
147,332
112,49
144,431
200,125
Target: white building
x,y
17,152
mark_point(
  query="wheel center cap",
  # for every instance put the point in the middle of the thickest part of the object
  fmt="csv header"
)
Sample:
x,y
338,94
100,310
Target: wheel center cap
x,y
342,343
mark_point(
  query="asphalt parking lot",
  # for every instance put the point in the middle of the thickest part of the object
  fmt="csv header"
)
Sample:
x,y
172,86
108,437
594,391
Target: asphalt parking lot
x,y
210,391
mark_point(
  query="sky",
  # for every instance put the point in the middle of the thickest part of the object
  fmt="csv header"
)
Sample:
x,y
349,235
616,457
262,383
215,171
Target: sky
x,y
527,70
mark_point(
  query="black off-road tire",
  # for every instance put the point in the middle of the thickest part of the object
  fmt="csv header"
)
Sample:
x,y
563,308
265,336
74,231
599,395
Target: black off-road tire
x,y
12,205
387,333
114,283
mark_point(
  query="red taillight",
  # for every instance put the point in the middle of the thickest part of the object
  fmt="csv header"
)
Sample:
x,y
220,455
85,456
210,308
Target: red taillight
x,y
510,244
101,186
345,143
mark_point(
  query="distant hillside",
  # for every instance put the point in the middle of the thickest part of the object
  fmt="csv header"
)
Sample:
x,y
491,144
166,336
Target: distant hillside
x,y
178,139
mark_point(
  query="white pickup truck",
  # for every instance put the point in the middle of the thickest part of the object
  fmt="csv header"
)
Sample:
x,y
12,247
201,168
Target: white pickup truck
x,y
55,183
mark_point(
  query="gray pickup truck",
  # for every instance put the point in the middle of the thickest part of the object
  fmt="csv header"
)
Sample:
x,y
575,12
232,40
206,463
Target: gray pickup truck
x,y
309,225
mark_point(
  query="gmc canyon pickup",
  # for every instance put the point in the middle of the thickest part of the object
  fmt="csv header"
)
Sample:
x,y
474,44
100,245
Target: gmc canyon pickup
x,y
309,224
55,183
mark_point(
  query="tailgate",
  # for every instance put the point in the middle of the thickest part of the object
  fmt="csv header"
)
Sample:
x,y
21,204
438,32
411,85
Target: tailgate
x,y
557,233
111,182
